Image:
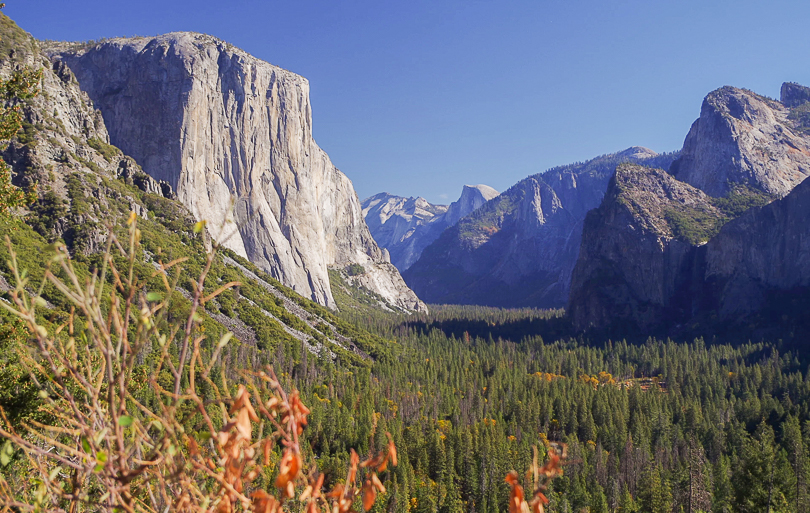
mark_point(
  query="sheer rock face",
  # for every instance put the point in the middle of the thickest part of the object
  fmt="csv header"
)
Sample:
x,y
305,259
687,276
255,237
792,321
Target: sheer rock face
x,y
472,197
636,272
766,249
744,138
406,226
216,124
635,275
633,266
519,249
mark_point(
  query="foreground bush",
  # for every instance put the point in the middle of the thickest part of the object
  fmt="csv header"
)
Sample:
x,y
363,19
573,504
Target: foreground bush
x,y
108,437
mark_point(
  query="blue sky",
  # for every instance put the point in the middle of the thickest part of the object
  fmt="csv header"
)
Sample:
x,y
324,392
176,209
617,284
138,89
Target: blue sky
x,y
421,97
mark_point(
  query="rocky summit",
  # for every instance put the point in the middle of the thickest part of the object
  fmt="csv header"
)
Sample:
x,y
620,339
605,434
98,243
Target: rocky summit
x,y
519,248
705,249
406,226
232,135
744,138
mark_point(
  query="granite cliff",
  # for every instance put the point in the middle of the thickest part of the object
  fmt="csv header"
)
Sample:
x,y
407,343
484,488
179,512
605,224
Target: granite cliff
x,y
406,226
718,252
85,185
744,138
233,136
637,254
519,249
758,267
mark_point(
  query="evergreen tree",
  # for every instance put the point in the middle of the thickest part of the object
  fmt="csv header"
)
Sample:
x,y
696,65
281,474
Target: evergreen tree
x,y
794,443
753,482
626,502
655,493
723,493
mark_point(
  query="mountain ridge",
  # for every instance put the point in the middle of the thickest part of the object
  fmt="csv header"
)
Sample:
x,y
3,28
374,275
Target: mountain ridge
x,y
519,249
406,226
706,270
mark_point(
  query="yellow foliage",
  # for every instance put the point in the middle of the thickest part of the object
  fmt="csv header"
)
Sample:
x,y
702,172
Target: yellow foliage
x,y
589,380
548,376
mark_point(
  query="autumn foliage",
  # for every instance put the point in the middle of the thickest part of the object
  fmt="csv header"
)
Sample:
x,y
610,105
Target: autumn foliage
x,y
539,477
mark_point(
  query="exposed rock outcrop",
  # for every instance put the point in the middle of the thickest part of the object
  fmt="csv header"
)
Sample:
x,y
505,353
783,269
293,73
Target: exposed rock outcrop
x,y
519,248
472,197
636,259
794,95
640,271
64,149
216,124
744,138
765,250
406,226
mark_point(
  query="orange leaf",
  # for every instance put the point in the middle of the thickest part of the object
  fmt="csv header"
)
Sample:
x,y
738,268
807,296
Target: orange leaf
x,y
264,502
288,470
542,498
243,402
193,449
336,492
353,469
369,495
392,450
376,461
243,426
377,484
317,487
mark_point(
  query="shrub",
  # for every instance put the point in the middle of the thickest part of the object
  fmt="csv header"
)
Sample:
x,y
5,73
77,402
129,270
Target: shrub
x,y
108,151
355,270
112,437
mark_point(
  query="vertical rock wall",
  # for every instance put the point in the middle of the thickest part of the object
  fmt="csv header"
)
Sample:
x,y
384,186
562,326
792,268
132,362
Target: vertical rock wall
x,y
232,133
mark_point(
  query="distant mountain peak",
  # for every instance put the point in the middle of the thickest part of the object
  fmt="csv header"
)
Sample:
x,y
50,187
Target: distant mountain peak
x,y
405,226
519,249
637,152
485,190
472,197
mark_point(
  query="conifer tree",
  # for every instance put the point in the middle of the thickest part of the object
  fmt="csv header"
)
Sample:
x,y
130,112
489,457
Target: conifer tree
x,y
722,495
626,502
794,442
655,493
